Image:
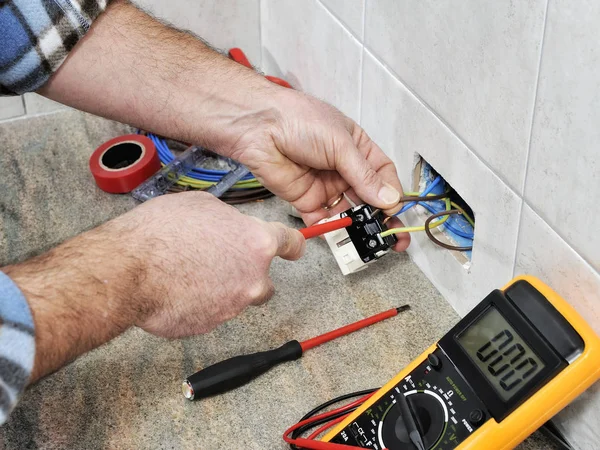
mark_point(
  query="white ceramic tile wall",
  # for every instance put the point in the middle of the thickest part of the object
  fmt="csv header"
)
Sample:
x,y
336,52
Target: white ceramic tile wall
x,y
11,107
543,253
223,23
400,124
36,104
474,62
350,12
503,99
563,179
307,46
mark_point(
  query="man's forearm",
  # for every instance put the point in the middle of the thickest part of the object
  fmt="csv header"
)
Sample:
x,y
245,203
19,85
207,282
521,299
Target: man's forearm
x,y
79,295
132,68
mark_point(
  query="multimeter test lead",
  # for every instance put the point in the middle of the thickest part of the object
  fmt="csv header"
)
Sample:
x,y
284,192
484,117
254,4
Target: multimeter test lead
x,y
239,370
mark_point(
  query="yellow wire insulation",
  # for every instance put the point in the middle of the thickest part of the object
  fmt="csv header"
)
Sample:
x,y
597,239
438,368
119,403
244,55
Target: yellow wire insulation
x,y
462,211
437,223
200,184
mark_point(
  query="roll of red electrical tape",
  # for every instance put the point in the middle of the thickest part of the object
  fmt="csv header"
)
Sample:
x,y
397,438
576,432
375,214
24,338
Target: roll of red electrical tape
x,y
121,164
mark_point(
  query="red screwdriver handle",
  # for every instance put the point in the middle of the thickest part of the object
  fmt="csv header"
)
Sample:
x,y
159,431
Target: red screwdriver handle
x,y
322,228
239,57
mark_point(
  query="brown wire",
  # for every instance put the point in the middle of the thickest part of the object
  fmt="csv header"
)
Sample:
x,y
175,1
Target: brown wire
x,y
232,197
412,199
434,239
425,198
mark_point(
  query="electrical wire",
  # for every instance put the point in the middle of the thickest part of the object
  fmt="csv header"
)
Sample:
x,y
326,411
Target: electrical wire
x,y
426,193
434,239
427,190
449,226
199,178
417,228
416,197
327,426
311,419
462,211
338,415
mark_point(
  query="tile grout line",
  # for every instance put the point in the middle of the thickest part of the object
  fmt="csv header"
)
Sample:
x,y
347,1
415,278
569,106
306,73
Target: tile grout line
x,y
528,155
344,25
426,106
260,37
361,77
346,28
563,238
360,84
364,22
440,118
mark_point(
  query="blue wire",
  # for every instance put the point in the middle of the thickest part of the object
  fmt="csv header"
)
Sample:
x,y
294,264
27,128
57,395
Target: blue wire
x,y
199,173
166,156
431,209
427,190
446,224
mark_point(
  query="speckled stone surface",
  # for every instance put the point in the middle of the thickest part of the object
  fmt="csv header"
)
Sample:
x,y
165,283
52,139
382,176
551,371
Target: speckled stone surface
x,y
126,394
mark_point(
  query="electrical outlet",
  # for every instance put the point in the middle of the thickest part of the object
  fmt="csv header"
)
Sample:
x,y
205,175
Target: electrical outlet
x,y
457,230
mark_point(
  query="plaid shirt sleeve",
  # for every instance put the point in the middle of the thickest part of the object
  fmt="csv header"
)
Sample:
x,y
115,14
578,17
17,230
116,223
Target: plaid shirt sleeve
x,y
37,36
17,345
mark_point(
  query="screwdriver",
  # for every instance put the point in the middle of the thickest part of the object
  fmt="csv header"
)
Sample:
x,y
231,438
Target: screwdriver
x,y
239,370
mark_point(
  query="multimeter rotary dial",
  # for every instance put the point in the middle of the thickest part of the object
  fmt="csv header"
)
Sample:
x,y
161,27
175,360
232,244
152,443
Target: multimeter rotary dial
x,y
437,405
431,416
479,379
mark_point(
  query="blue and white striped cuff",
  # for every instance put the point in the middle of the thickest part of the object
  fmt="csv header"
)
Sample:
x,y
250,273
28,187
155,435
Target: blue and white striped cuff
x,y
17,345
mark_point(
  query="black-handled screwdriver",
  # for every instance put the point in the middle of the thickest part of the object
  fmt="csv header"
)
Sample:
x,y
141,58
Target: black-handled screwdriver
x,y
239,370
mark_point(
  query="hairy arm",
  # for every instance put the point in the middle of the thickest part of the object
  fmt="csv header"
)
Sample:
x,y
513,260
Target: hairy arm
x,y
77,293
142,270
132,68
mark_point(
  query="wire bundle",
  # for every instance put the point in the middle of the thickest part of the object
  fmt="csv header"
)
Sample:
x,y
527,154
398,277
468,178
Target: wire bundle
x,y
326,420
448,209
246,190
331,418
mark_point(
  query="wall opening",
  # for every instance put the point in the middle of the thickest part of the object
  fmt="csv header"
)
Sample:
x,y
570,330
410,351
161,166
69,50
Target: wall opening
x,y
458,231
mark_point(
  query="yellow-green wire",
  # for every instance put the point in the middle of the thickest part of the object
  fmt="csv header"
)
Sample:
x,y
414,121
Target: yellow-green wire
x,y
462,211
454,205
199,184
437,223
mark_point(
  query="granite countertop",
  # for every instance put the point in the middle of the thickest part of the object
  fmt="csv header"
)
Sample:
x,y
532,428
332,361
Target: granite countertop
x,y
126,394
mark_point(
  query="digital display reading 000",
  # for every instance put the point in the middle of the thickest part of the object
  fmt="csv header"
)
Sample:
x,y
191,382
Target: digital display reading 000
x,y
500,353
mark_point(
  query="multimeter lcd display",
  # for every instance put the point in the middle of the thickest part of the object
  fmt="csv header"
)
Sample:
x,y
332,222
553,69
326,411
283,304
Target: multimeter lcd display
x,y
500,353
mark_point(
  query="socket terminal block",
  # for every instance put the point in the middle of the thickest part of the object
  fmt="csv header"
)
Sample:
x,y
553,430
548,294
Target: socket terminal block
x,y
360,244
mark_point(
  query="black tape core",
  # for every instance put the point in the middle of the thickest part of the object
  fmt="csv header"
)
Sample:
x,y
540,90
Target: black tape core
x,y
122,155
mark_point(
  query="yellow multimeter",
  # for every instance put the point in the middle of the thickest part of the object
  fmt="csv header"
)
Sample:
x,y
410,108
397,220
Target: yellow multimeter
x,y
507,367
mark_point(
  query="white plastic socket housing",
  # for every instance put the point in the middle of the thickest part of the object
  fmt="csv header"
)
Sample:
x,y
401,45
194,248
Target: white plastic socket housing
x,y
344,250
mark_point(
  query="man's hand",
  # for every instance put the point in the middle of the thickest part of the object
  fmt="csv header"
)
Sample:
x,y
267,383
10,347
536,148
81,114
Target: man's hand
x,y
309,153
175,266
132,68
203,262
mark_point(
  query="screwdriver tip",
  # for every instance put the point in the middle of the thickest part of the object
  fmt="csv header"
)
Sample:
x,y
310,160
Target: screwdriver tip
x,y
402,308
